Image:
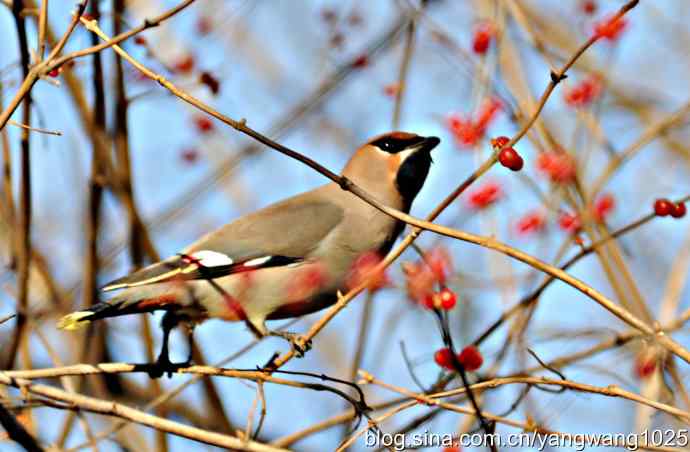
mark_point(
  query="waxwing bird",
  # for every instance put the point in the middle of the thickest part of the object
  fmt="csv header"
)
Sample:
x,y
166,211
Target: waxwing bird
x,y
286,260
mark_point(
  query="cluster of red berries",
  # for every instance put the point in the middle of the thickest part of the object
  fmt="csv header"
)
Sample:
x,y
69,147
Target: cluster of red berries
x,y
423,275
444,299
508,156
663,207
470,358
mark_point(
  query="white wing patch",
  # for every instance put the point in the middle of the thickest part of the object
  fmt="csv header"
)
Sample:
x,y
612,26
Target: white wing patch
x,y
209,258
257,262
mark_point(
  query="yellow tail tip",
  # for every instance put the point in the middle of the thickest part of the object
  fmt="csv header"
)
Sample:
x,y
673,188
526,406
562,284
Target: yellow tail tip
x,y
74,321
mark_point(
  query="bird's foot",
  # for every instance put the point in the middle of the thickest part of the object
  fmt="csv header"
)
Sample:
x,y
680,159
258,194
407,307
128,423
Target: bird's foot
x,y
163,365
300,344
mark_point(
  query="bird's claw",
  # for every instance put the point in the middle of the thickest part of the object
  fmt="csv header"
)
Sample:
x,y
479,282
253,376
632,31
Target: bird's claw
x,y
163,365
299,343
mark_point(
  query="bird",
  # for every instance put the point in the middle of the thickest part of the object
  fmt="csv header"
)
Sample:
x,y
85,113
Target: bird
x,y
285,260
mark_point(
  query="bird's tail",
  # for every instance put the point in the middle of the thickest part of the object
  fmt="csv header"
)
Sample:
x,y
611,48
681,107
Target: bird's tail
x,y
116,306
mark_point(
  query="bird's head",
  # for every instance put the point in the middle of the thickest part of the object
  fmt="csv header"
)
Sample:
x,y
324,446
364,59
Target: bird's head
x,y
395,162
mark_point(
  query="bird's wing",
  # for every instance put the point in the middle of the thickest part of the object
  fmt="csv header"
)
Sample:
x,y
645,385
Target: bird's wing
x,y
282,234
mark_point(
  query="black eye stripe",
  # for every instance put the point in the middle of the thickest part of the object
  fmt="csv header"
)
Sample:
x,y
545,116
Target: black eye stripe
x,y
396,144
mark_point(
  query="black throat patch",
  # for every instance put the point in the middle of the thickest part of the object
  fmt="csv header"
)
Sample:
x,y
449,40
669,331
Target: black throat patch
x,y
411,176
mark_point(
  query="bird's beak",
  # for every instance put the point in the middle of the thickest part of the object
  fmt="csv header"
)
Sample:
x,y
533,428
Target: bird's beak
x,y
426,144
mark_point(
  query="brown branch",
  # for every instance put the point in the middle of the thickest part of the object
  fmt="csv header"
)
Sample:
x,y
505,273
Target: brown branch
x,y
109,408
22,239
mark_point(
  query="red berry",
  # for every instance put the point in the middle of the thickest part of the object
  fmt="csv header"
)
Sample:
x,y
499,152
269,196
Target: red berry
x,y
481,40
392,89
589,7
204,26
559,167
499,142
355,19
610,28
444,358
54,72
511,159
203,124
569,222
484,196
470,358
679,210
584,92
329,16
603,206
140,40
448,299
430,301
360,62
189,155
663,207
337,40
531,222
645,364
185,65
